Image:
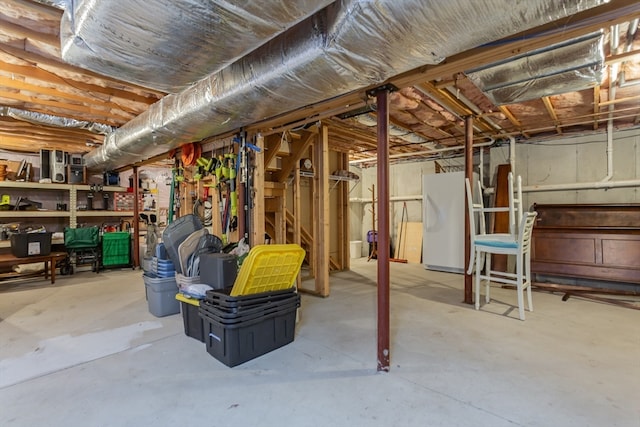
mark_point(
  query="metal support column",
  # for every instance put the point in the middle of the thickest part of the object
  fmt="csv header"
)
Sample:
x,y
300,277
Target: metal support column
x,y
382,101
468,171
136,219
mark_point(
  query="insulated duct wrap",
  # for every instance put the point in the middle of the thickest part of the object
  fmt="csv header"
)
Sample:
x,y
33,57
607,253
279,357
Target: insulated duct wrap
x,y
54,121
574,65
345,47
166,44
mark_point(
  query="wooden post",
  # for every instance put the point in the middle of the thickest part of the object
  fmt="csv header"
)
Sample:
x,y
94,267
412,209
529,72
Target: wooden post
x,y
344,235
257,213
321,207
280,223
297,234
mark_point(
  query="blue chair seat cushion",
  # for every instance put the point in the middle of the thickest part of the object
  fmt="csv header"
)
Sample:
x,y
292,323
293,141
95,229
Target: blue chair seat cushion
x,y
497,243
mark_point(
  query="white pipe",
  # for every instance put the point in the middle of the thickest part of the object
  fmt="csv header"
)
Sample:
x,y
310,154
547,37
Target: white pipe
x,y
609,151
419,153
613,83
512,154
481,170
392,199
582,186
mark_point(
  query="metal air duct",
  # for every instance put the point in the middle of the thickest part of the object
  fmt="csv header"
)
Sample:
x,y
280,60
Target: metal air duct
x,y
347,46
570,66
167,44
55,121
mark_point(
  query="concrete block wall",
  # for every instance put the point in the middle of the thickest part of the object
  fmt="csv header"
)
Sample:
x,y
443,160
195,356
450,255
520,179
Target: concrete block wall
x,y
575,160
558,161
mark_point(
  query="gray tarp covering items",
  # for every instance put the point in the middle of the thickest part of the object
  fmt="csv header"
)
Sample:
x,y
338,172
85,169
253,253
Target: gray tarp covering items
x,y
347,46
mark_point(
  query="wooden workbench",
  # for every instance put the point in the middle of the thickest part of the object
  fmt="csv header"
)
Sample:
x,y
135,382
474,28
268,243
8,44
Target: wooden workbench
x,y
8,260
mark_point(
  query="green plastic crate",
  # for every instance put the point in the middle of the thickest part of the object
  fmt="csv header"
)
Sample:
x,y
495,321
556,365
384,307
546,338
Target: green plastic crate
x,y
116,247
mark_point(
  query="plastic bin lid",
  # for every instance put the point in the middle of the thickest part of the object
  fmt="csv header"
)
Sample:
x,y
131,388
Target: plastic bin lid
x,y
186,299
268,268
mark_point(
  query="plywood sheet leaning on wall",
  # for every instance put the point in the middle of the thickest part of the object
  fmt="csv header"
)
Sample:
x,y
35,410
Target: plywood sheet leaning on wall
x,y
409,242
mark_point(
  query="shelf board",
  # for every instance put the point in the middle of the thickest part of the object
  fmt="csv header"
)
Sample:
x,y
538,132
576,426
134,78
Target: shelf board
x,y
35,214
55,186
103,213
114,188
7,243
309,174
34,185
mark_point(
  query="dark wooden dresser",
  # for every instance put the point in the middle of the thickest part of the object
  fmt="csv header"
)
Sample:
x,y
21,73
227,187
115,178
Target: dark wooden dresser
x,y
598,242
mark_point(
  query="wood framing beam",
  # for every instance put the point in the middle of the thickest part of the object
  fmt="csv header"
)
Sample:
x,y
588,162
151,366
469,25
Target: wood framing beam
x,y
50,12
257,192
305,235
274,189
37,134
450,102
272,145
37,59
296,224
21,85
619,100
25,144
552,113
123,100
622,57
514,121
441,131
280,223
321,208
18,31
344,229
7,94
289,163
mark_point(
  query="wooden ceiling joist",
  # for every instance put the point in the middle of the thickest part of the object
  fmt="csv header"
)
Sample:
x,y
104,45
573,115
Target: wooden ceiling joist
x,y
21,85
552,113
22,32
62,106
142,94
118,98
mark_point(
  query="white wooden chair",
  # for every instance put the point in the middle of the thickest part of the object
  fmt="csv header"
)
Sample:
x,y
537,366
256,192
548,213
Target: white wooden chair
x,y
478,210
484,244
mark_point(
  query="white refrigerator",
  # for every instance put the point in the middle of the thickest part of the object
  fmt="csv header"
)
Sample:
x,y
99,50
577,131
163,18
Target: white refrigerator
x,y
443,221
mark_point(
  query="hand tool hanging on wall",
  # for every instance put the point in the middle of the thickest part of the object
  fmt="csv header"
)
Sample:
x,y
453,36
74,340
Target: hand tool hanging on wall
x,y
230,159
245,169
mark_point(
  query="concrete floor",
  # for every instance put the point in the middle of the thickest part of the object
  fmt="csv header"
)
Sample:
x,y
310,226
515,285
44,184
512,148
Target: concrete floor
x,y
86,352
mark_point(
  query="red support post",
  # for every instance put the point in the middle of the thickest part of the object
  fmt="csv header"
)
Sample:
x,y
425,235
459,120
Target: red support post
x,y
468,168
382,100
136,219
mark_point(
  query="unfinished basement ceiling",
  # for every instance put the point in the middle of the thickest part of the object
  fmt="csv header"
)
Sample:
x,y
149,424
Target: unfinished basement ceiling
x,y
430,104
